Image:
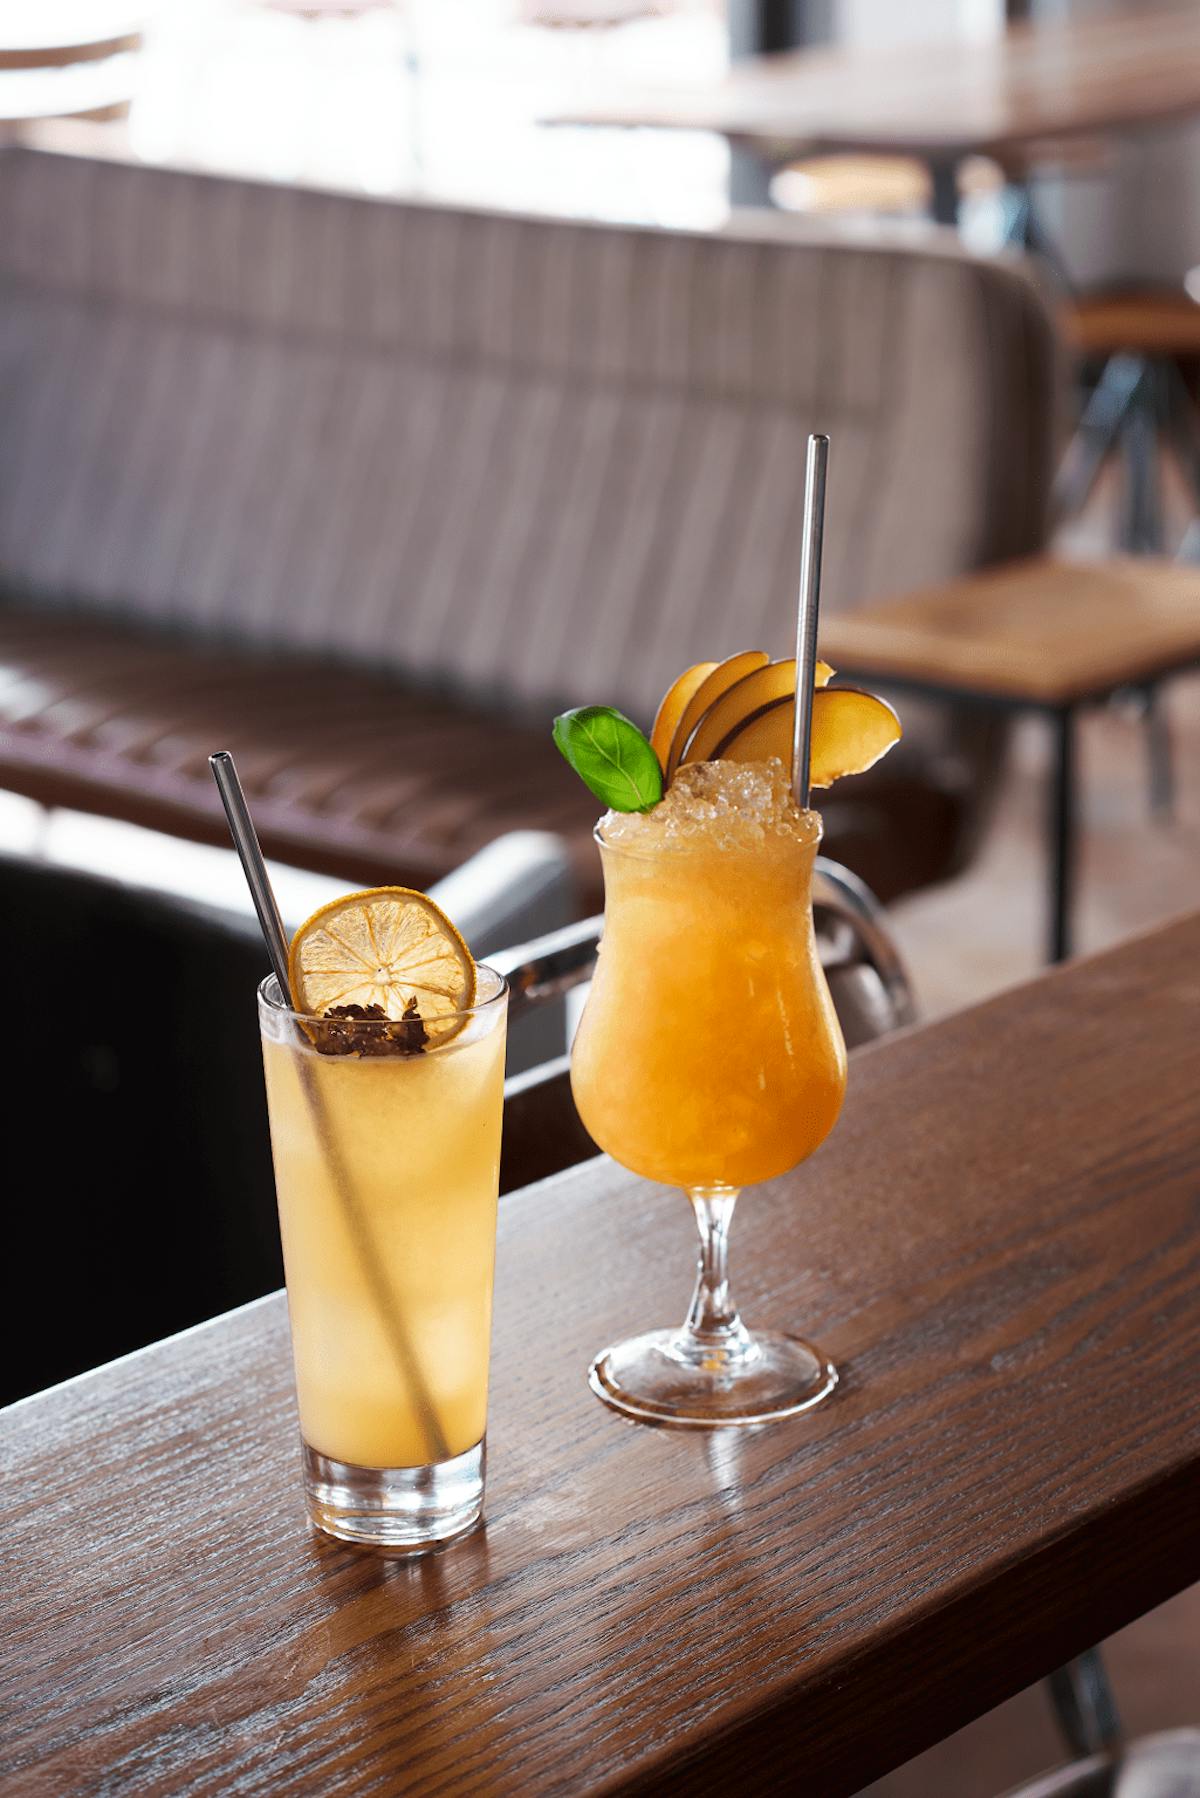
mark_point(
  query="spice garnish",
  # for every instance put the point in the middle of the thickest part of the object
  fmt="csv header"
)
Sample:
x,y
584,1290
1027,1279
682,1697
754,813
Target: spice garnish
x,y
367,1030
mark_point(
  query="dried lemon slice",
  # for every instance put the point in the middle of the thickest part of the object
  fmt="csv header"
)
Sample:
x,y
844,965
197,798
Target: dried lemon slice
x,y
386,946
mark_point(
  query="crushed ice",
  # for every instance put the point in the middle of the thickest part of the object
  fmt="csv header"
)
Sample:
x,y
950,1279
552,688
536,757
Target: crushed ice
x,y
730,805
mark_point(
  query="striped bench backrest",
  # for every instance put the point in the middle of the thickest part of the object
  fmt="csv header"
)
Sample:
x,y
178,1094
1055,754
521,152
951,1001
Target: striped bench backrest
x,y
532,459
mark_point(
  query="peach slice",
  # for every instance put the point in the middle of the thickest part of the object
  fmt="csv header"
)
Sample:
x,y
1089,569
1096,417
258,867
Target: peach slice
x,y
772,685
725,675
850,731
671,710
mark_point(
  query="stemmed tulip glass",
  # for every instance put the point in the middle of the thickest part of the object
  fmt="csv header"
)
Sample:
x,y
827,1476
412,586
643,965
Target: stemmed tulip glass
x,y
709,1058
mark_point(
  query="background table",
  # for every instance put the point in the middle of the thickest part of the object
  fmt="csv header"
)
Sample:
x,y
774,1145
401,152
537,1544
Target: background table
x,y
942,102
1000,1245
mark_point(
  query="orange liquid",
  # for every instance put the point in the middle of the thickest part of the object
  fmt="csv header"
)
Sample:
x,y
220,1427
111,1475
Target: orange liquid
x,y
420,1146
709,1053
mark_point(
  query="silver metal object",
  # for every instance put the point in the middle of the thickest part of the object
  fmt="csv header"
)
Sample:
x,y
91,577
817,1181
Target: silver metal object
x,y
549,966
245,841
806,617
841,895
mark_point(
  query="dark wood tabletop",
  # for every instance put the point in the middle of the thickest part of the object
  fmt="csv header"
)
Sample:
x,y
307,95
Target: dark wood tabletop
x,y
1000,1245
1032,83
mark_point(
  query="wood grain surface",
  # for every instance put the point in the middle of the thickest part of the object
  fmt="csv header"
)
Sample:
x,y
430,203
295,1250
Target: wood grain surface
x,y
1045,631
1000,1244
945,99
1148,323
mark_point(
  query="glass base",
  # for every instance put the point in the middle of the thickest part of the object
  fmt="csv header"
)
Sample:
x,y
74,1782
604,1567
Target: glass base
x,y
660,1378
411,1508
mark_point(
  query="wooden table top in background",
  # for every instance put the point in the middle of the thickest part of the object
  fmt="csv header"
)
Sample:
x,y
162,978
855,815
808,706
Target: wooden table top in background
x,y
1000,1245
944,99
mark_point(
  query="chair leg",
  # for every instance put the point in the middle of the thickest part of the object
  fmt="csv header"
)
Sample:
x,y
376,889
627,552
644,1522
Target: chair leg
x,y
1061,838
1133,408
1148,423
944,196
1084,1706
1022,227
1159,753
1142,530
1098,434
1183,426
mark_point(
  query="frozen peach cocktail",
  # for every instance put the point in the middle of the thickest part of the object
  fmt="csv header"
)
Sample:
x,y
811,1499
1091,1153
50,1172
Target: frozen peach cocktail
x,y
709,1055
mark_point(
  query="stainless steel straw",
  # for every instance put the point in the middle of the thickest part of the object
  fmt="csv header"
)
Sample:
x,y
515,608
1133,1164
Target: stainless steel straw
x,y
806,618
245,841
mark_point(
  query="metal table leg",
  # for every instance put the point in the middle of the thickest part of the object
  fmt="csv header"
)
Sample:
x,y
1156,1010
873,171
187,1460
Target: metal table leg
x,y
759,28
944,199
750,178
1061,834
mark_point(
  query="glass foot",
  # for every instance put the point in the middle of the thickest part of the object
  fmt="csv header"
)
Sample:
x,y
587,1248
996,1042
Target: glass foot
x,y
661,1378
401,1508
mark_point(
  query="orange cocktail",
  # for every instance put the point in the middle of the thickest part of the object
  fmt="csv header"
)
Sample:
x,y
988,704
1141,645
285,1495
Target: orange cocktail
x,y
709,1057
709,1053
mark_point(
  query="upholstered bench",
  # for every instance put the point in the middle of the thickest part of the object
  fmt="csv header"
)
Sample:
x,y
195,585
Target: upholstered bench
x,y
366,491
348,771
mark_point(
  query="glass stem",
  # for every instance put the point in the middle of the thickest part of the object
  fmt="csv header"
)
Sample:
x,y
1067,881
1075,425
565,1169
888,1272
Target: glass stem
x,y
714,1336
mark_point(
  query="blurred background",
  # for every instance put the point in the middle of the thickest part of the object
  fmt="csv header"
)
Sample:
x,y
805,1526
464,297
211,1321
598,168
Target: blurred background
x,y
492,103
377,378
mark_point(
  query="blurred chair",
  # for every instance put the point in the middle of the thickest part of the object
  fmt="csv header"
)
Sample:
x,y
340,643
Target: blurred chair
x,y
366,491
1140,406
1140,410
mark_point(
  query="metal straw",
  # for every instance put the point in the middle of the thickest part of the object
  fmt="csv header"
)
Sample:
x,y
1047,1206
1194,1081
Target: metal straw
x,y
806,617
245,841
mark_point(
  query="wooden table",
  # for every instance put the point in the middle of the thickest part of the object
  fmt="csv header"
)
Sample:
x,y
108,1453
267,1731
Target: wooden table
x,y
1042,635
941,102
1000,1245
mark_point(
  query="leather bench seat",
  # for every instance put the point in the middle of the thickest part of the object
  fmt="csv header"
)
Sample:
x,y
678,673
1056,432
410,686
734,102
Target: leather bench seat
x,y
350,772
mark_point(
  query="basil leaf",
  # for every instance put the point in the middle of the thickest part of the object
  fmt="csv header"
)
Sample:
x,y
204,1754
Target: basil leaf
x,y
611,756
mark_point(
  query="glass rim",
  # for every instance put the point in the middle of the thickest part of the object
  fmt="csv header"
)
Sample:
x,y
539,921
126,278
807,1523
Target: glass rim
x,y
481,1006
677,848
